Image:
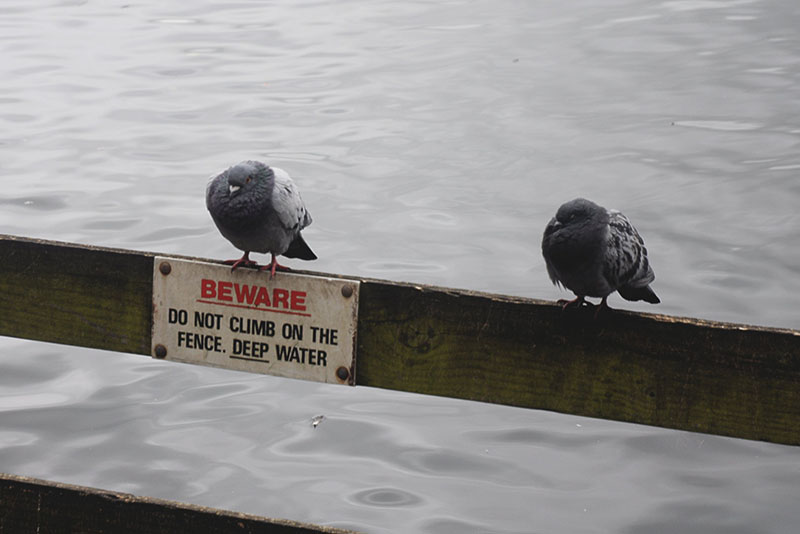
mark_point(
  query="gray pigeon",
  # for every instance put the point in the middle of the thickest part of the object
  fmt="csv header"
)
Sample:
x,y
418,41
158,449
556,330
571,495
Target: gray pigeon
x,y
258,209
593,252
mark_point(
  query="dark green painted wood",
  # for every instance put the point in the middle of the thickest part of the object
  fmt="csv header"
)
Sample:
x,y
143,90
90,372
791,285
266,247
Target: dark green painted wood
x,y
677,373
77,295
29,505
726,379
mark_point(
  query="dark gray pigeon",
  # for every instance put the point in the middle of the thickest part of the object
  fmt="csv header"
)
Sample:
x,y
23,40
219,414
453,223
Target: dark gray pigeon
x,y
258,209
593,252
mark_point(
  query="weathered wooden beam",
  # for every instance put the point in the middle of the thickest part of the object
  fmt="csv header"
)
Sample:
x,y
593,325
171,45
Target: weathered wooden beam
x,y
678,373
31,505
76,295
688,374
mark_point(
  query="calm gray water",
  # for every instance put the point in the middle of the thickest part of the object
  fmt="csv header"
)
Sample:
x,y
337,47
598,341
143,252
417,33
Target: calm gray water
x,y
431,141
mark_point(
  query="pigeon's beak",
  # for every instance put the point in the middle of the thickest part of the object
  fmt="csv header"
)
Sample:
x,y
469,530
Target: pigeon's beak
x,y
233,189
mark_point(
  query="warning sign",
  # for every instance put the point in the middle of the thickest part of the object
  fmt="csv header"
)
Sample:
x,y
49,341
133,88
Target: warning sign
x,y
293,325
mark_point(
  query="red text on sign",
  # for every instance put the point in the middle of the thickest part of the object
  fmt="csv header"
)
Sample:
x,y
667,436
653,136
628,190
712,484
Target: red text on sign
x,y
251,295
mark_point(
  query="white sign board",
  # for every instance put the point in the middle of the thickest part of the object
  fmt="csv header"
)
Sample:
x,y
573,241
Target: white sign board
x,y
293,325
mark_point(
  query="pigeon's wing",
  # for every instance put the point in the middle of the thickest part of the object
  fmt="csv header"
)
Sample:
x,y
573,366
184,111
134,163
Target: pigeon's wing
x,y
625,261
288,204
211,187
547,240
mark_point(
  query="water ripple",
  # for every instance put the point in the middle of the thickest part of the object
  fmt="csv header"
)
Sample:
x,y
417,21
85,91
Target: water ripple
x,y
724,126
387,497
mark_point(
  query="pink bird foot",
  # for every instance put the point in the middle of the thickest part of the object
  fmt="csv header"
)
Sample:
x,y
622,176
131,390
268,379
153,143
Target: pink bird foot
x,y
602,306
244,261
574,303
274,266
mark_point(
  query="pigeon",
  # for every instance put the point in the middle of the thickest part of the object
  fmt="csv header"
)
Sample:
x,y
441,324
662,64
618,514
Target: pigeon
x,y
593,252
258,209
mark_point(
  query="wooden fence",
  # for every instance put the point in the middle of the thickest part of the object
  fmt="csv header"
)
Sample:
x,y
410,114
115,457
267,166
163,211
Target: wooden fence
x,y
688,374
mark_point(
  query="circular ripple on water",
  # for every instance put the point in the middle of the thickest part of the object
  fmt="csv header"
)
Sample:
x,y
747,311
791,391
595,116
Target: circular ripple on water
x,y
386,497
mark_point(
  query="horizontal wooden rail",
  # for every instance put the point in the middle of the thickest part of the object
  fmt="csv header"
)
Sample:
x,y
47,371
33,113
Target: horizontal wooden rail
x,y
688,374
31,505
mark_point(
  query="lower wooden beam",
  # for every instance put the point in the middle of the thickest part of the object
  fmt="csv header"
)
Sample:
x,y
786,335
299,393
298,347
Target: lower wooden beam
x,y
32,505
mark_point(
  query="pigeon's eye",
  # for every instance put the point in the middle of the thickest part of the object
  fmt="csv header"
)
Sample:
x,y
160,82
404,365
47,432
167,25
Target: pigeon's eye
x,y
248,179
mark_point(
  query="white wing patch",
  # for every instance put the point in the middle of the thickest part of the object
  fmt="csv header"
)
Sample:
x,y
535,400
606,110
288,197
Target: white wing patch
x,y
287,203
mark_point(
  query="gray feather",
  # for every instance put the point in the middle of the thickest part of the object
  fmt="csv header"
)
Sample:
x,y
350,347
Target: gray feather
x,y
594,252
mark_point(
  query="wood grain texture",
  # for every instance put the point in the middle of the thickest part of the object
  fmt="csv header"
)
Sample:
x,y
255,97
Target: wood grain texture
x,y
655,370
29,505
726,379
77,295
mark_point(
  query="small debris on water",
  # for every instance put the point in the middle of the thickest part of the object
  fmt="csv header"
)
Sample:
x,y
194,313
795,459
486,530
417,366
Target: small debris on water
x,y
316,420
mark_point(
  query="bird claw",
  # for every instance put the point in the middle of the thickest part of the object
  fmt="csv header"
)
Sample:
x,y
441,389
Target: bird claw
x,y
580,301
600,307
241,262
274,266
574,303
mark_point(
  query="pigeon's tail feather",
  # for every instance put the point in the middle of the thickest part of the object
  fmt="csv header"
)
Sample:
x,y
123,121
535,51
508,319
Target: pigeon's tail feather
x,y
639,293
300,249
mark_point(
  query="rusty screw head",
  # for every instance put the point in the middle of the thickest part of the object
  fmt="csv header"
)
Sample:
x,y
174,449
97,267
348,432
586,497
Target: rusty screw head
x,y
347,291
343,373
161,351
165,268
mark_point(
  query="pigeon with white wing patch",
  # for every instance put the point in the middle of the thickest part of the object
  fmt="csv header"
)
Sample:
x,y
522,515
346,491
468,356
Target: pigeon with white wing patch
x,y
258,209
593,252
